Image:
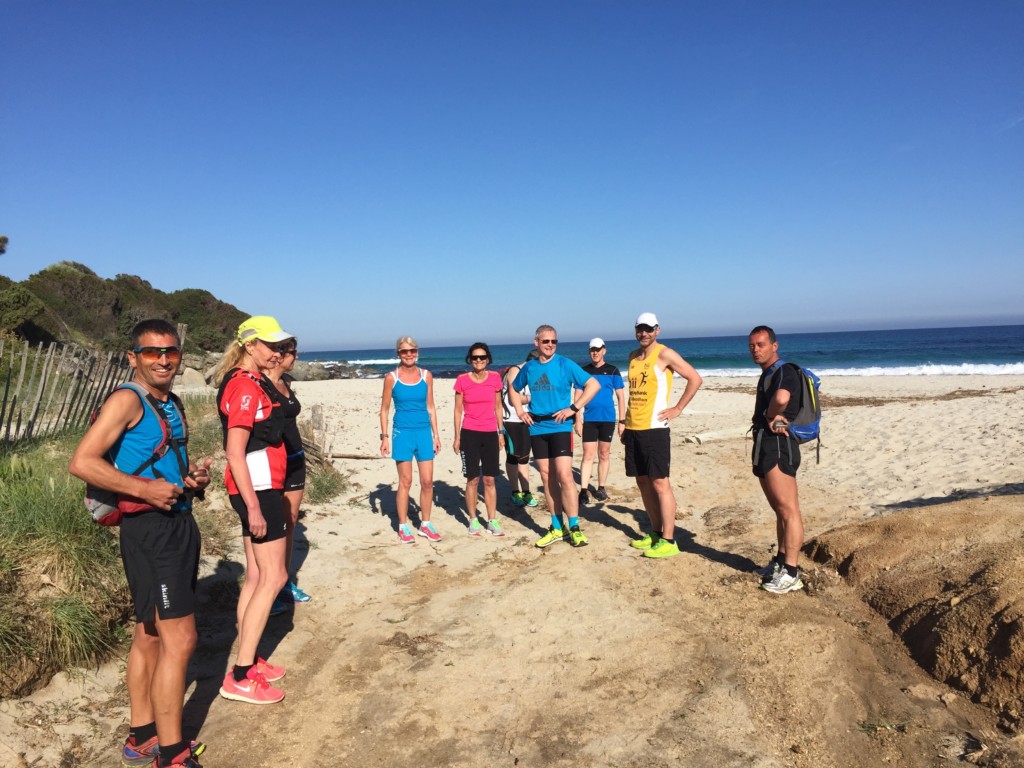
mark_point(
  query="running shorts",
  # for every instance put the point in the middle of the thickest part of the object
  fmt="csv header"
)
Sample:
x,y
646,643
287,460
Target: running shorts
x,y
517,443
775,451
478,449
295,472
407,444
593,431
160,552
272,507
648,452
551,445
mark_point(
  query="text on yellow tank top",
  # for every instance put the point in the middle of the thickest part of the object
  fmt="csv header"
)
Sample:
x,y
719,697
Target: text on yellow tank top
x,y
649,390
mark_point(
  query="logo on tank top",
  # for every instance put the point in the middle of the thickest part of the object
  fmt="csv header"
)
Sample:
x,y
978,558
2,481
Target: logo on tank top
x,y
246,402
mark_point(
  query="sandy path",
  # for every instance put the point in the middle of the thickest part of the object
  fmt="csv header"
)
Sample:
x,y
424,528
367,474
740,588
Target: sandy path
x,y
484,652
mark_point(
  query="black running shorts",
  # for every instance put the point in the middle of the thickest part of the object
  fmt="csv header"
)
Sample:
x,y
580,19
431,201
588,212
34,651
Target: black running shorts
x,y
295,473
594,431
272,507
648,452
517,443
551,445
775,451
478,449
160,552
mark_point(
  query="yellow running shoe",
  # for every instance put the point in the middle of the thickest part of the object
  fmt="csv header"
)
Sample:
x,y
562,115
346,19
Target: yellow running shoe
x,y
553,535
646,542
662,549
576,537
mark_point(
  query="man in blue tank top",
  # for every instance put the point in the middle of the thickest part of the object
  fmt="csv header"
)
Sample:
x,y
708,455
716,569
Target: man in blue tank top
x,y
159,539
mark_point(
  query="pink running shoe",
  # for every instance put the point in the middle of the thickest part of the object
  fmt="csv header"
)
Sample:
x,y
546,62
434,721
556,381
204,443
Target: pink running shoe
x,y
428,531
253,690
405,534
271,672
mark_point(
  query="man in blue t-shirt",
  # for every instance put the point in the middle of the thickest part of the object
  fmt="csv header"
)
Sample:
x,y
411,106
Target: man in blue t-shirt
x,y
551,379
597,425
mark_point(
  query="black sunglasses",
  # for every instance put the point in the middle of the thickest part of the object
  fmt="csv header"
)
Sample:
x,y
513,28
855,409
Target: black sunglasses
x,y
476,358
547,341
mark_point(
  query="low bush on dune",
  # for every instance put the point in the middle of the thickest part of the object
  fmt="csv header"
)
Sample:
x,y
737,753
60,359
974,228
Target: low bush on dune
x,y
63,596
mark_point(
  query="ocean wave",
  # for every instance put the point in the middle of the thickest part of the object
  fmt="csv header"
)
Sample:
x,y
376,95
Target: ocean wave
x,y
927,369
383,361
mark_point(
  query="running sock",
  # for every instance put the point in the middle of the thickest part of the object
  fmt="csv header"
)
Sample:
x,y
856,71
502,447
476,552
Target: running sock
x,y
556,522
240,673
791,570
670,541
780,558
574,522
140,734
171,751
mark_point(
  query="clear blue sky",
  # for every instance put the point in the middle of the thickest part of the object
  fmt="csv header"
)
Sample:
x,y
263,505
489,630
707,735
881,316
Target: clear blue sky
x,y
466,170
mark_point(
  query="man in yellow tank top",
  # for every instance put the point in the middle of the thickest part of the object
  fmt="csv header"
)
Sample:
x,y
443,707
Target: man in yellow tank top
x,y
646,437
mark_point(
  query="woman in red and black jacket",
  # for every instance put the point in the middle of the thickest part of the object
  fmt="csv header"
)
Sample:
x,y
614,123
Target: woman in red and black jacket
x,y
253,422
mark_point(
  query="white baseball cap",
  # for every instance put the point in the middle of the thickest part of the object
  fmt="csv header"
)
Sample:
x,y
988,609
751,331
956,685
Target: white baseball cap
x,y
646,318
596,343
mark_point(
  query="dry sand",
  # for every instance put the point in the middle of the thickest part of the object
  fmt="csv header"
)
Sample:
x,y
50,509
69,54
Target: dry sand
x,y
490,652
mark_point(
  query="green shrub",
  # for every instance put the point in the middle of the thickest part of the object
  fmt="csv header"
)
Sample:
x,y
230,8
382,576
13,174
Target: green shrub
x,y
323,483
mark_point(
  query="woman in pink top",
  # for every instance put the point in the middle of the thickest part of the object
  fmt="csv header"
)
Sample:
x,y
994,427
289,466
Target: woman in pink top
x,y
478,434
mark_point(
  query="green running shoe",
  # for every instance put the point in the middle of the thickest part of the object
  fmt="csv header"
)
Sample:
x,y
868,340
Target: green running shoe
x,y
530,500
494,527
475,528
553,535
662,549
519,499
576,537
646,542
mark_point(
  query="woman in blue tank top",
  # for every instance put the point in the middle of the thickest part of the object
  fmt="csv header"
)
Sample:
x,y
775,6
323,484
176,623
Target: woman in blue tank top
x,y
413,435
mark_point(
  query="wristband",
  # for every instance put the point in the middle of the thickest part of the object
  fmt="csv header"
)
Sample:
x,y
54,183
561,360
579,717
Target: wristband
x,y
383,435
574,408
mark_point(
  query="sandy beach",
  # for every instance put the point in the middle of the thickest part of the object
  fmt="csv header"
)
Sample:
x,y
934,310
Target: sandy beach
x,y
906,649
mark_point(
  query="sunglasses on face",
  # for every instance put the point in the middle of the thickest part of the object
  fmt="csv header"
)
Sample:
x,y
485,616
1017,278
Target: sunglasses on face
x,y
644,329
408,351
548,341
281,349
152,354
479,358
595,349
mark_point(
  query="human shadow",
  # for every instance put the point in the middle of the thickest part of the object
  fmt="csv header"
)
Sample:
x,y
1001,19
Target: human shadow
x,y
688,543
959,494
300,547
599,515
216,604
383,501
685,539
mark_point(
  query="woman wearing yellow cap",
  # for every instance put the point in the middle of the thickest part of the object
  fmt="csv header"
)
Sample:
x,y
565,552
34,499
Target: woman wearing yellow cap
x,y
253,422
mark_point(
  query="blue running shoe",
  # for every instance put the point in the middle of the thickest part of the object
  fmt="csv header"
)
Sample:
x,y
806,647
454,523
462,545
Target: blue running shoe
x,y
297,594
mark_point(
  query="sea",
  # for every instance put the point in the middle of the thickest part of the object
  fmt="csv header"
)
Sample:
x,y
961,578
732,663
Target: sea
x,y
980,350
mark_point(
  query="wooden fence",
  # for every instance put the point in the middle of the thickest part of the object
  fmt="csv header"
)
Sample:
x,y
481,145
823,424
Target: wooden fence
x,y
48,389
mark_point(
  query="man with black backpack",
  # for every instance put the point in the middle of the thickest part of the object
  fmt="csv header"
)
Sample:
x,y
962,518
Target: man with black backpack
x,y
776,457
141,429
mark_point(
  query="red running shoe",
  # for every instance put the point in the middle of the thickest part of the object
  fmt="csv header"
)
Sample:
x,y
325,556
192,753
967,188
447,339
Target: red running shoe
x,y
138,755
253,690
271,672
